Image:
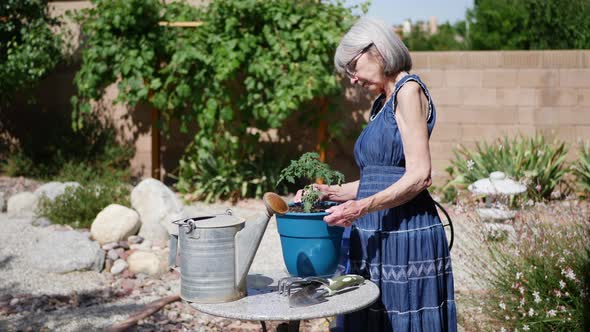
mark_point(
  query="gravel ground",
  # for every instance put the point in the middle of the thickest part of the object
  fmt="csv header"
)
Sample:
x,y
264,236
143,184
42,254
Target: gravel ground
x,y
91,301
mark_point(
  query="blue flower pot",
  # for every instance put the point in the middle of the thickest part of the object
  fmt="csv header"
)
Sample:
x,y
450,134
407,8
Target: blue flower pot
x,y
310,246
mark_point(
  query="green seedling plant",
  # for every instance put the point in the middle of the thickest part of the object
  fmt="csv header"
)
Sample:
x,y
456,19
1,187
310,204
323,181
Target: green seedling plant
x,y
310,168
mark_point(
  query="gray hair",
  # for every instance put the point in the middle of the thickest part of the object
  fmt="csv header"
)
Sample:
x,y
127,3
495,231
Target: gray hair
x,y
366,31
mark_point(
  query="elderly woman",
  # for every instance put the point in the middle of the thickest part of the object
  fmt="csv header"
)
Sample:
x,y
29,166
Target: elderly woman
x,y
394,233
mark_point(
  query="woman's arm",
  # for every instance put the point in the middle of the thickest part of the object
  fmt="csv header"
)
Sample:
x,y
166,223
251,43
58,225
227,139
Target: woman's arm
x,y
334,193
411,116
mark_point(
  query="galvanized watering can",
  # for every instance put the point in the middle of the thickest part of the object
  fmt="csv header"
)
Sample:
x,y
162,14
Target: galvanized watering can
x,y
216,252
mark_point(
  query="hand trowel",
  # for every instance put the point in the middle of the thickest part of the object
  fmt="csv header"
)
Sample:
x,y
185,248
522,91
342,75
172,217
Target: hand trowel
x,y
317,292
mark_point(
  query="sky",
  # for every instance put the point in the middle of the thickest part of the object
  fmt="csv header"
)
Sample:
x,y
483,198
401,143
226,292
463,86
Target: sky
x,y
396,11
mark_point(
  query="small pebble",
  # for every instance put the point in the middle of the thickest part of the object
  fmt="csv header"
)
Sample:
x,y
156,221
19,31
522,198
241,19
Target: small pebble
x,y
109,246
134,239
14,302
172,315
124,244
113,254
185,317
119,266
146,245
108,265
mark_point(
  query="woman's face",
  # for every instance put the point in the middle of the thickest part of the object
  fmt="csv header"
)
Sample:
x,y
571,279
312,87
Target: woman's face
x,y
367,72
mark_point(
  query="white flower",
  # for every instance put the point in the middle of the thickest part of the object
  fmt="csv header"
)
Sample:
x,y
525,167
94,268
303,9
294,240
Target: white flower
x,y
502,329
507,317
551,313
540,153
525,328
518,275
531,312
561,260
502,306
569,273
536,296
470,164
522,302
561,284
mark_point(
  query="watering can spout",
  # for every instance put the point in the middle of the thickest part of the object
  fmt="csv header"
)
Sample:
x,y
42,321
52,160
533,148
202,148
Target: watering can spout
x,y
249,238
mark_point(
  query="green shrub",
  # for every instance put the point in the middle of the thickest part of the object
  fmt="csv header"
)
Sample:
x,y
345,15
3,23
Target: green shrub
x,y
537,279
540,166
92,149
252,64
79,206
582,169
29,49
215,174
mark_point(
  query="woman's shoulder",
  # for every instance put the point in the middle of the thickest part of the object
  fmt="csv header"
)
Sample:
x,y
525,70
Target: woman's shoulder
x,y
409,89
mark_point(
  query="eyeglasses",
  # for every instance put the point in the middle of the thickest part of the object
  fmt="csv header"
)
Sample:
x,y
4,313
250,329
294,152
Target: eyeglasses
x,y
350,67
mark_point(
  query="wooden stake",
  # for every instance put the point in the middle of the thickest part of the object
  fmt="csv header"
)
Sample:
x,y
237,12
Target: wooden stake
x,y
155,144
322,133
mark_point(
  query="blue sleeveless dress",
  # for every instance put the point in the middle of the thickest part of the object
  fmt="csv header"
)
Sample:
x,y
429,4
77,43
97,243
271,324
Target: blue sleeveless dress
x,y
403,250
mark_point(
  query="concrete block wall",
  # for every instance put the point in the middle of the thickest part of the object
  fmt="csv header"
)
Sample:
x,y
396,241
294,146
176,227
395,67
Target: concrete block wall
x,y
481,96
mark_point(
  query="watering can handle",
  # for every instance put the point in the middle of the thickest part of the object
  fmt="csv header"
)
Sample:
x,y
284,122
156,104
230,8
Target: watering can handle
x,y
173,245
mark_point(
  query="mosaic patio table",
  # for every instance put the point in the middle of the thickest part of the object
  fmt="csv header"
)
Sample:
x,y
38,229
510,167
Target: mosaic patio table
x,y
264,303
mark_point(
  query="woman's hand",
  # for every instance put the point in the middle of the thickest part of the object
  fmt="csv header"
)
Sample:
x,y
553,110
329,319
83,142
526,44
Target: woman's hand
x,y
345,214
322,188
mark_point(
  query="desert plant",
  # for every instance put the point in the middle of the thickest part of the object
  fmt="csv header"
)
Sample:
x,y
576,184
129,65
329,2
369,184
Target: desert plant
x,y
581,169
537,279
531,160
78,206
309,167
205,177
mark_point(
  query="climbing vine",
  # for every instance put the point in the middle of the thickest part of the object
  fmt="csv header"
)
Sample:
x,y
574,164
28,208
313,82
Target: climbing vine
x,y
250,65
29,49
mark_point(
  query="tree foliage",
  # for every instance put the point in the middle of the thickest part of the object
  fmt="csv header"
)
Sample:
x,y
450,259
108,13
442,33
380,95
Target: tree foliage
x,y
450,37
251,64
529,24
29,49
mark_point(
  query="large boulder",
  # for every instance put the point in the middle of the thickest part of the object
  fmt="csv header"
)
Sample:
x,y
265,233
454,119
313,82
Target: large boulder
x,y
54,189
146,262
114,223
154,232
24,203
156,204
67,251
